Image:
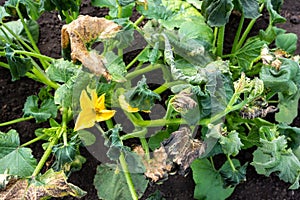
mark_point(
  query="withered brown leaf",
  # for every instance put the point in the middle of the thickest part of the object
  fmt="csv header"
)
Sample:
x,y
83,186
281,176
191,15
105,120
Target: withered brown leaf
x,y
51,184
179,148
183,149
84,30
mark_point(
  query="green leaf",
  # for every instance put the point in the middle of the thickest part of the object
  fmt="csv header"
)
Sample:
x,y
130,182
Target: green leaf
x,y
17,160
155,10
86,137
113,7
249,52
209,183
61,70
18,65
217,12
288,108
231,144
115,66
3,13
111,184
156,139
28,8
41,113
274,157
141,97
233,177
287,42
275,17
125,2
250,8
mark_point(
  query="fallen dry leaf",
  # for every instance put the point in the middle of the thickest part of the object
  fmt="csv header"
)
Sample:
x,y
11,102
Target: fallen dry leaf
x,y
82,31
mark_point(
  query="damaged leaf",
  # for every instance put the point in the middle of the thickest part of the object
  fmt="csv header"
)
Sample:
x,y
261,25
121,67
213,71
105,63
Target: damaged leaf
x,y
83,30
50,184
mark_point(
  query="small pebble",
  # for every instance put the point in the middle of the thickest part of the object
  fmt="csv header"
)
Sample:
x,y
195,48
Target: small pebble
x,y
295,19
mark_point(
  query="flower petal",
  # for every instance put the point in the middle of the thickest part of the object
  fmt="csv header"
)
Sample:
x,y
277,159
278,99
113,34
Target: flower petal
x,y
100,103
104,115
125,106
85,102
85,119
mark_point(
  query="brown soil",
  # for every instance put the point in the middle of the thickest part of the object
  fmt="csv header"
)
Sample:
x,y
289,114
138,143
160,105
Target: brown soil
x,y
13,96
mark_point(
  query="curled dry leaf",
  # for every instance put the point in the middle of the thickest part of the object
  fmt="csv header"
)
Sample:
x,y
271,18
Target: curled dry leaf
x,y
84,30
179,148
51,184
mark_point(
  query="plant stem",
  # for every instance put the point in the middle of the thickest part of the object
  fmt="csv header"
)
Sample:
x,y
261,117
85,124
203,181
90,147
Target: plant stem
x,y
238,34
45,156
212,163
145,147
128,177
34,140
248,29
43,78
139,134
18,38
230,162
220,40
64,126
22,119
36,55
143,71
139,20
136,58
36,49
166,86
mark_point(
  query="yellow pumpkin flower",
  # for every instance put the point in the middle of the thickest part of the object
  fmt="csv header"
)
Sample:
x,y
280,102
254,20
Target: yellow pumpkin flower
x,y
92,110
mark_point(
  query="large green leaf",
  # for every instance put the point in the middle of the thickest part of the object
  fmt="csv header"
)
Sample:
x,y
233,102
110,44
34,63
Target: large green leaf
x,y
154,10
61,70
249,52
18,65
274,157
275,17
250,8
41,113
287,42
17,160
231,143
111,184
233,177
115,66
217,12
209,183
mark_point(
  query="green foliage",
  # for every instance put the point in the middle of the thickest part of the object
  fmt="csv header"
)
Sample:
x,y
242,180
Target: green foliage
x,y
141,96
273,9
249,8
61,70
18,65
273,156
17,160
28,8
113,6
233,177
287,42
217,12
111,184
231,144
209,183
41,112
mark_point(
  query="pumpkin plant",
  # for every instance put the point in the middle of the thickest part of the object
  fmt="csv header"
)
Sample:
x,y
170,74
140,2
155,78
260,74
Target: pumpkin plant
x,y
177,104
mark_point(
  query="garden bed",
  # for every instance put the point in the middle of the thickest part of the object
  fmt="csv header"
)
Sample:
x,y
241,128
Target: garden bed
x,y
14,94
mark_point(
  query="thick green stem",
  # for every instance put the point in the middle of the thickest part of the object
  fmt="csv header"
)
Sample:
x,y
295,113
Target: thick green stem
x,y
64,125
43,78
45,157
143,71
220,41
136,134
128,177
166,86
139,20
22,119
238,33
